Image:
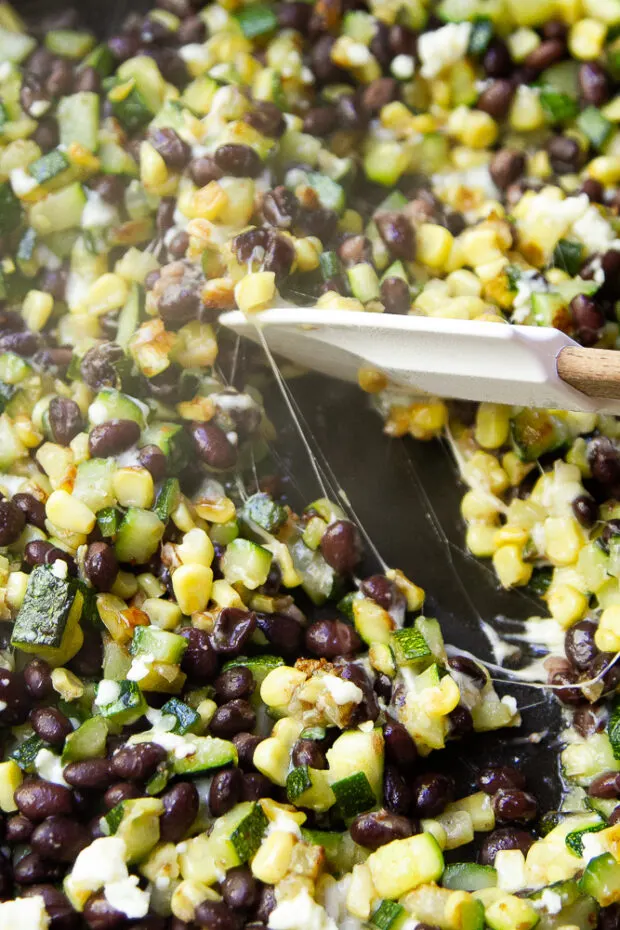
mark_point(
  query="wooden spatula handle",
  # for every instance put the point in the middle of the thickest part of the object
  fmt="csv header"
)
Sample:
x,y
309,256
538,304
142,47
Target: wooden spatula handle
x,y
595,372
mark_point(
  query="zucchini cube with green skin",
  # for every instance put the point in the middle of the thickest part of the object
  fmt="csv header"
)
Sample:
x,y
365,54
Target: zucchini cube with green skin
x,y
355,753
159,645
168,498
260,666
262,509
59,211
49,167
136,822
508,912
128,707
49,615
26,753
234,839
138,536
390,915
410,648
209,753
308,787
187,720
87,742
78,120
403,865
172,440
93,483
601,880
372,622
110,404
108,521
535,432
468,876
132,110
246,562
574,840
354,795
613,729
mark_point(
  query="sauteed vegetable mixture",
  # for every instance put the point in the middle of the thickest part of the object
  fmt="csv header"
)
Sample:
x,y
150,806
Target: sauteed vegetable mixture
x,y
211,718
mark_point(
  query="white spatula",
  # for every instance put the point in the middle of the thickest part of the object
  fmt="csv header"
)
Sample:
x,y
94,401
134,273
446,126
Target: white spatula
x,y
468,360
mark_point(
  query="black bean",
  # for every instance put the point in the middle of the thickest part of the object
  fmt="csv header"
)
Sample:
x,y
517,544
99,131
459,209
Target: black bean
x,y
100,915
606,786
101,365
123,46
382,687
368,708
239,161
51,725
65,419
496,98
431,793
397,234
565,154
89,774
593,189
240,889
61,914
320,121
59,838
199,661
216,915
19,829
497,61
154,460
495,777
308,752
24,343
585,510
399,746
112,437
565,686
279,256
213,446
32,93
172,386
245,744
341,546
512,804
38,799
614,817
121,791
395,295
235,682
587,722
256,786
137,762
283,632
100,566
579,644
377,828
12,522
589,319
267,119
204,169
15,698
60,79
234,717
294,15
231,631
164,220
610,264
379,93
506,167
87,80
351,113
466,666
225,791
6,879
355,249
546,54
33,869
319,222
321,64
603,670
280,208
506,838
330,638
593,83
111,189
385,592
461,722
397,795
191,30
604,461
181,803
32,509
87,662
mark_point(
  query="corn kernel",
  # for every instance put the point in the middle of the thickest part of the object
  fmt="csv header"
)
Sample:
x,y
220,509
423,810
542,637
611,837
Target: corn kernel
x,y
16,585
271,757
224,595
109,292
164,614
271,862
433,245
133,487
484,472
196,548
510,568
607,635
480,540
427,420
361,892
192,587
11,777
371,380
280,684
187,896
606,169
492,425
256,291
66,684
37,309
566,604
463,283
307,253
69,513
153,170
208,203
508,534
478,508
586,39
564,540
526,112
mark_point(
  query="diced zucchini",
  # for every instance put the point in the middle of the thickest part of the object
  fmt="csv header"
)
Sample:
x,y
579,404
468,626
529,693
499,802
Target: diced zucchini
x,y
108,521
78,120
168,498
210,753
26,256
93,483
128,707
536,432
26,753
101,59
595,126
10,207
372,622
257,19
69,43
59,211
508,911
115,160
48,618
601,880
49,167
390,915
468,876
613,729
354,795
110,404
130,316
357,752
136,822
410,648
260,666
574,839
550,309
130,107
138,536
15,46
403,865
160,644
262,509
318,579
364,282
187,718
87,742
568,255
308,787
246,562
172,439
578,909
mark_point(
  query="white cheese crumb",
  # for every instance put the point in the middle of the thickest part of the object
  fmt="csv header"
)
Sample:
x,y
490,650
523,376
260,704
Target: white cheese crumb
x,y
300,911
443,47
127,897
510,703
39,108
195,53
49,767
551,901
594,231
60,569
283,823
342,691
403,67
530,282
97,212
510,867
22,182
25,913
5,70
592,846
100,863
108,692
140,667
358,54
3,705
